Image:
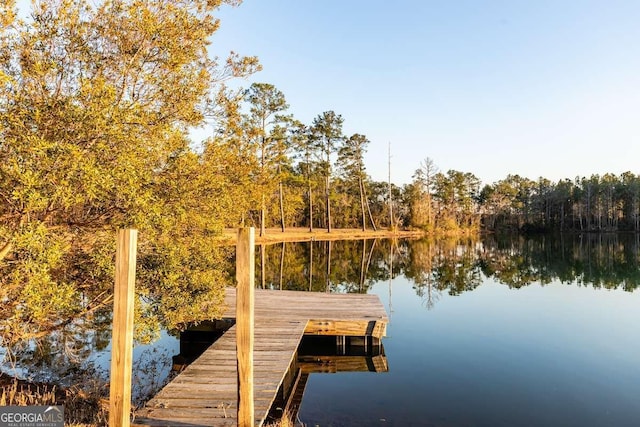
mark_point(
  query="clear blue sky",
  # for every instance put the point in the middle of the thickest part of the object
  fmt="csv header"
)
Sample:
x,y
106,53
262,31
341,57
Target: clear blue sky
x,y
537,88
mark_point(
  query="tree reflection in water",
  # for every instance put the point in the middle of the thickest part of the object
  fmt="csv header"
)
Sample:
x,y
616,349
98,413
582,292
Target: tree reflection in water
x,y
74,354
455,266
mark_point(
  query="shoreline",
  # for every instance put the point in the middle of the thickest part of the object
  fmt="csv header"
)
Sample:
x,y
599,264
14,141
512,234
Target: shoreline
x,y
297,234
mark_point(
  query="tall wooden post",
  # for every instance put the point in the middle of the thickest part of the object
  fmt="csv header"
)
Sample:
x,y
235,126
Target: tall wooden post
x,y
245,298
122,331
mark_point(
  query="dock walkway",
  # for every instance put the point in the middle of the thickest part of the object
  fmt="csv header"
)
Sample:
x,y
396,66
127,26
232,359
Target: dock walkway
x,y
205,393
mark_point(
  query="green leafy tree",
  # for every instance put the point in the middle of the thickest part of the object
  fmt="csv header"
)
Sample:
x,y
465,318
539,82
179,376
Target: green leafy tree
x,y
421,201
351,160
326,132
233,159
631,197
96,100
262,126
457,194
305,150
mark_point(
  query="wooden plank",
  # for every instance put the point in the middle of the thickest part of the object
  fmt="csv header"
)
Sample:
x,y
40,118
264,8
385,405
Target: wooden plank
x,y
380,363
303,303
203,400
218,388
333,364
341,327
184,422
122,337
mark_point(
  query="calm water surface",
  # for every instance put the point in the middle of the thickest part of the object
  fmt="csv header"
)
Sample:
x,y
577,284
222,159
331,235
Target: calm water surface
x,y
496,332
521,347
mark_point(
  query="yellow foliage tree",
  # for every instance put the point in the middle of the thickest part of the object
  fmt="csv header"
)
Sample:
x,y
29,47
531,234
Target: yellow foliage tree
x,y
96,101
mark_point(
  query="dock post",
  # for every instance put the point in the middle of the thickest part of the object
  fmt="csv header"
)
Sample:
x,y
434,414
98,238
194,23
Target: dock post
x,y
245,299
122,335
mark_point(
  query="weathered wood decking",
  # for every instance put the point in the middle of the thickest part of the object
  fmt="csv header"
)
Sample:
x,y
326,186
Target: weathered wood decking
x,y
205,393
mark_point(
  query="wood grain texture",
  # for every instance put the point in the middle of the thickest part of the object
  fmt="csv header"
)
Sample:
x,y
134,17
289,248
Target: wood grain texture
x,y
122,336
245,302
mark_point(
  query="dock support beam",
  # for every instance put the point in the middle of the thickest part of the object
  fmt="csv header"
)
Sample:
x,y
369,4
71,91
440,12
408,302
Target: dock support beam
x,y
245,301
122,336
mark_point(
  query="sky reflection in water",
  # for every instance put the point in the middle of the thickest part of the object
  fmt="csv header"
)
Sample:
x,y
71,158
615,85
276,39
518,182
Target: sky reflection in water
x,y
552,355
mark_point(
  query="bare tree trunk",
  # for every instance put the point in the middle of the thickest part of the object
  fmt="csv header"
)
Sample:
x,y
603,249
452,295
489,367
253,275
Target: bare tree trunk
x,y
637,214
328,288
262,216
364,218
282,263
429,210
373,245
263,261
390,277
281,194
328,213
366,198
262,183
310,208
310,263
309,195
600,215
580,218
588,214
362,261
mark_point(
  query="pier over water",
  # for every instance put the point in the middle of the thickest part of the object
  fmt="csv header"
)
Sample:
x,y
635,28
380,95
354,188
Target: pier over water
x,y
206,392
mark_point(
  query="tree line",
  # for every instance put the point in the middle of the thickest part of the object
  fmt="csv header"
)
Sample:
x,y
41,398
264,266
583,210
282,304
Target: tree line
x,y
596,203
293,174
441,202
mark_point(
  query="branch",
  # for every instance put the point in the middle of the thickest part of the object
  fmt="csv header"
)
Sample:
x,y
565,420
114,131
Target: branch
x,y
5,250
49,329
7,247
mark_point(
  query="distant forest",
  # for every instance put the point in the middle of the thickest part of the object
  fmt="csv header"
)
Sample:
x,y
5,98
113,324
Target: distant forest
x,y
314,176
594,204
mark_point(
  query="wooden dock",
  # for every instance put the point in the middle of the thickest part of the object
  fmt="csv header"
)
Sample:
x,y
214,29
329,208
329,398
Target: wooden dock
x,y
205,393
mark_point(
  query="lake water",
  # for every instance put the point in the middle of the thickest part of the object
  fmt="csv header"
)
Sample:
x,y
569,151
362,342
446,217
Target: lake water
x,y
484,334
556,355
491,332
